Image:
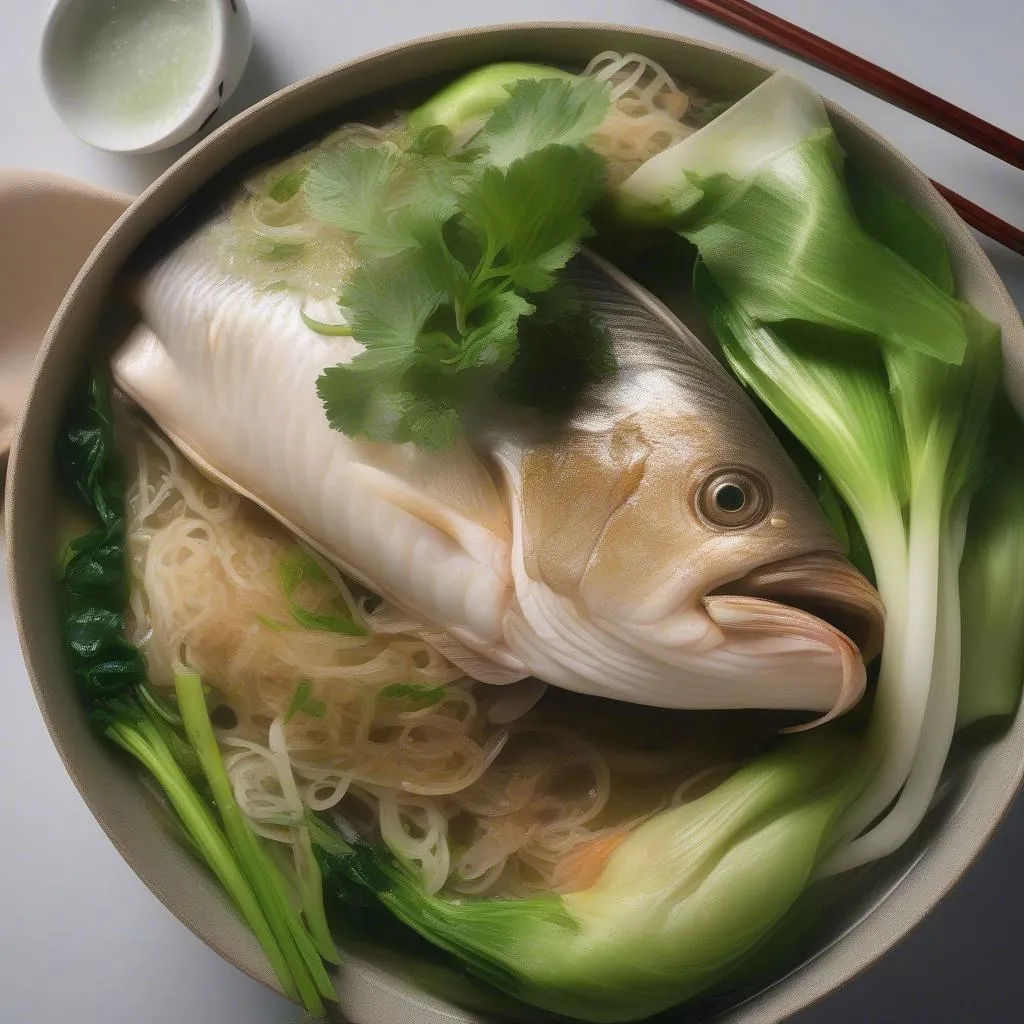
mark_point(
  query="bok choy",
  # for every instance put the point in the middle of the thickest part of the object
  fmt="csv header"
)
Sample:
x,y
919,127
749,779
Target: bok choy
x,y
681,903
991,577
832,300
175,744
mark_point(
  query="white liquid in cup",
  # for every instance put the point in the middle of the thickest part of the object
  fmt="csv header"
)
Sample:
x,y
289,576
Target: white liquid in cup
x,y
141,62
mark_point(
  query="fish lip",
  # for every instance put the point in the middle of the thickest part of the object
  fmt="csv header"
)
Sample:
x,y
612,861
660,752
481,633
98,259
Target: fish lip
x,y
761,616
827,586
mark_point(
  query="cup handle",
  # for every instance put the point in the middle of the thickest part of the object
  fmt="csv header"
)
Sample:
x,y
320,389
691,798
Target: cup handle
x,y
49,225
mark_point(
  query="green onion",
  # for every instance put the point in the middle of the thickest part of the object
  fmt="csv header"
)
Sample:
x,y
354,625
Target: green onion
x,y
331,330
302,701
287,186
415,693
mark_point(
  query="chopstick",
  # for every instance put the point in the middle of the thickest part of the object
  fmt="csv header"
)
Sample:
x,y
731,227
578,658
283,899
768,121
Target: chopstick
x,y
784,35
981,220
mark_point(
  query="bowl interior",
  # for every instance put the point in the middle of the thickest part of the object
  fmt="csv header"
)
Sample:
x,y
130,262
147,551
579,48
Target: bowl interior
x,y
868,910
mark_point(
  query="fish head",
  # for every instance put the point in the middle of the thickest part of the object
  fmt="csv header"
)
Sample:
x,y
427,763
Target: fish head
x,y
674,538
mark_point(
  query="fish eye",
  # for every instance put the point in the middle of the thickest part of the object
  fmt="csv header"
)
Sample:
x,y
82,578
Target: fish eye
x,y
733,499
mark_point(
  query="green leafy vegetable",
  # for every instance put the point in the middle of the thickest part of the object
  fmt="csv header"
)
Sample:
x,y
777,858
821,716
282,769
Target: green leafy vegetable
x,y
289,932
112,682
419,694
992,582
836,308
562,349
459,247
687,896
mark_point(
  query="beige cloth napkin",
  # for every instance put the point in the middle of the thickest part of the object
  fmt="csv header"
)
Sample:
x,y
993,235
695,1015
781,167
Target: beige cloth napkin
x,y
48,226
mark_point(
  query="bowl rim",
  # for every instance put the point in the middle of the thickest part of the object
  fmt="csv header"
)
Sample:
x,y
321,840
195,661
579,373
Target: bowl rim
x,y
891,920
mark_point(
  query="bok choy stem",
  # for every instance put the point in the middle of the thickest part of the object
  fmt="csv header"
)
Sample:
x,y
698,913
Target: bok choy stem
x,y
939,722
990,582
147,745
300,954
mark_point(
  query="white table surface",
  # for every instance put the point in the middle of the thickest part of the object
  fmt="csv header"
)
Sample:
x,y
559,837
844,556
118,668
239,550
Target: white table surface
x,y
81,939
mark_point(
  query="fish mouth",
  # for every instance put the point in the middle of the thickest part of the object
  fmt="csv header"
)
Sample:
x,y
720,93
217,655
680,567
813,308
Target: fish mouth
x,y
819,597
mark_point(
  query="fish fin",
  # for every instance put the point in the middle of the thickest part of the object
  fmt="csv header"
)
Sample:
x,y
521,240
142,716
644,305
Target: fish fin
x,y
499,669
478,666
454,478
485,540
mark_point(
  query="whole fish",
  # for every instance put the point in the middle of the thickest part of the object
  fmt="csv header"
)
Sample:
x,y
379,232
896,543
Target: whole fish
x,y
658,547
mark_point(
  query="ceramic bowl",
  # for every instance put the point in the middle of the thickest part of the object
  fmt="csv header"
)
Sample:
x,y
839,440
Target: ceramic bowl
x,y
68,24
872,909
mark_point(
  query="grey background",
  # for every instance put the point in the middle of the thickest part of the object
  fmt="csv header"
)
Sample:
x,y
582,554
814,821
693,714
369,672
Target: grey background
x,y
81,940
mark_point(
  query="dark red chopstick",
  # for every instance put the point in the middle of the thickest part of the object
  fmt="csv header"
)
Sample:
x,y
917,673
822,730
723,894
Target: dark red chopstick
x,y
784,35
981,220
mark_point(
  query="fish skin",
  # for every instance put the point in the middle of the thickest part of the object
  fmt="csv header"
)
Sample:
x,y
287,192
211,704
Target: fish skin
x,y
575,556
611,562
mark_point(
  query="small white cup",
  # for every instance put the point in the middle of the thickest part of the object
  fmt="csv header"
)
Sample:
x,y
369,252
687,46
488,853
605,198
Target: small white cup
x,y
61,58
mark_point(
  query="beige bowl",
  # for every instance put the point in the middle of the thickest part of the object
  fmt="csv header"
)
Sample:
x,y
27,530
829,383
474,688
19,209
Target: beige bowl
x,y
878,907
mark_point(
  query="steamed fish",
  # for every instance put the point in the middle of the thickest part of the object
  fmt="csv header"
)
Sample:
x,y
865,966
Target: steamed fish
x,y
657,547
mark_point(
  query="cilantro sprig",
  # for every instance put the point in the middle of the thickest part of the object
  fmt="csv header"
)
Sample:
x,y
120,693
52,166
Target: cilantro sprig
x,y
458,249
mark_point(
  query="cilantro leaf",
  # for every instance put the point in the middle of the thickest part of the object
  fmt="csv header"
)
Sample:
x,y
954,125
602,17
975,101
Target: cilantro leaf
x,y
534,211
495,342
458,247
348,187
562,348
386,200
541,113
389,307
388,310
434,428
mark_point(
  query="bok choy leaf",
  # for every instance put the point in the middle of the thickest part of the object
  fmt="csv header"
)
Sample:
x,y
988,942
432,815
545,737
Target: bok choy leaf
x,y
992,582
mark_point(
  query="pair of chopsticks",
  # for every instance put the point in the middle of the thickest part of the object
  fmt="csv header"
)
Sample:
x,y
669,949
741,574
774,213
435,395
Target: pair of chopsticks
x,y
784,35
